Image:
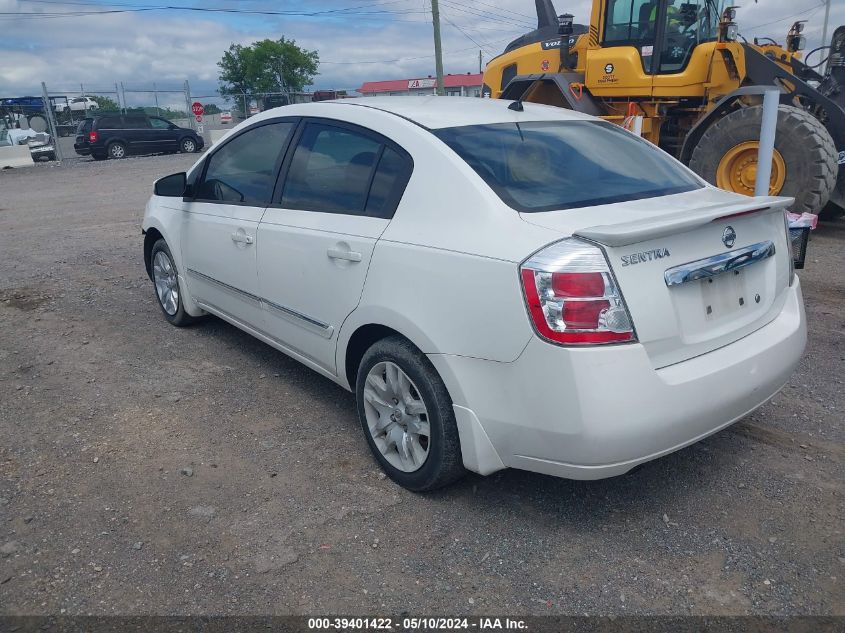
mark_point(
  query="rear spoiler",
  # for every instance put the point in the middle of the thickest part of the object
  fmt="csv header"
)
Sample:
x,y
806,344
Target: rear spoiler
x,y
678,222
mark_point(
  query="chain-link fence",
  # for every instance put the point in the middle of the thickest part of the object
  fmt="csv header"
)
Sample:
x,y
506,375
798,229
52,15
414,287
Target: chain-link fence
x,y
71,103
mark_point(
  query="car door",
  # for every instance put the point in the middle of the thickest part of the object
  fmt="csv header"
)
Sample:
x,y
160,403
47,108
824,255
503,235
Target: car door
x,y
137,131
340,188
219,229
164,136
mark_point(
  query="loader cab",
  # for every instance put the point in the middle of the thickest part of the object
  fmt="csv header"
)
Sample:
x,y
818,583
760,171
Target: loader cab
x,y
665,33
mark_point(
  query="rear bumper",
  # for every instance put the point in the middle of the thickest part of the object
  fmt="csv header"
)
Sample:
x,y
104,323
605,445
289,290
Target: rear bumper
x,y
82,150
598,412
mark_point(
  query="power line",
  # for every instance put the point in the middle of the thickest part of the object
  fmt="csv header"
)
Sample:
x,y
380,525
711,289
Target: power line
x,y
464,33
146,8
794,15
405,59
522,15
489,16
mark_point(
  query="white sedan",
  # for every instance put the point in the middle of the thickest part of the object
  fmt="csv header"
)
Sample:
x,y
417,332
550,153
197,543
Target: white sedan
x,y
500,287
78,104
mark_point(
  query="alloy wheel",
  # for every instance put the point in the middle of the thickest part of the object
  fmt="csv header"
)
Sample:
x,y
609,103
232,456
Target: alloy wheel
x,y
166,283
397,417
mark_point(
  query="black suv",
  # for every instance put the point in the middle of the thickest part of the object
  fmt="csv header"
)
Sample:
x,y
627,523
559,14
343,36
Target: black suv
x,y
117,135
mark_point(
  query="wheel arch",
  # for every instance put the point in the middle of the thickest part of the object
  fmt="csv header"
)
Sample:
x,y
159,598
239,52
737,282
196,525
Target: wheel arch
x,y
116,139
364,337
362,329
151,236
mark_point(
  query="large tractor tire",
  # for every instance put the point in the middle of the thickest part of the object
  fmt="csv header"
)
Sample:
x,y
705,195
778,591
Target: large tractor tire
x,y
803,166
38,122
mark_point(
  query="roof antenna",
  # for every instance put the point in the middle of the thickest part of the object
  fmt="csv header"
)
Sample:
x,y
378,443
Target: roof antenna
x,y
516,106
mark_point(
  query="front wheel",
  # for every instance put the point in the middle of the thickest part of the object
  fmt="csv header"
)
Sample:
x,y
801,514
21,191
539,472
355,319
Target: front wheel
x,y
188,146
407,416
166,284
803,165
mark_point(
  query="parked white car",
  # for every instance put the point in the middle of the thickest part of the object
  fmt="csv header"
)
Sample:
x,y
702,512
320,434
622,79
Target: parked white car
x,y
533,288
225,118
78,104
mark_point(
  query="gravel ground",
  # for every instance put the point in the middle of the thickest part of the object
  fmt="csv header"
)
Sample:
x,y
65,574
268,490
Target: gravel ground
x,y
146,469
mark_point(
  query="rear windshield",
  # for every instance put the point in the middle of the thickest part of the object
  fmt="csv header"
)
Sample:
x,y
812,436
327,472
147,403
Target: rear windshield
x,y
547,165
84,126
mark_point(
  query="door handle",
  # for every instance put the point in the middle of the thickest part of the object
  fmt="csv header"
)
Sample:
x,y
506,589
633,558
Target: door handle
x,y
336,253
242,238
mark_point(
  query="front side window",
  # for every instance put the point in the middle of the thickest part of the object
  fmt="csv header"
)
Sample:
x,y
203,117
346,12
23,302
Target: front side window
x,y
630,21
687,24
244,169
160,124
550,165
331,170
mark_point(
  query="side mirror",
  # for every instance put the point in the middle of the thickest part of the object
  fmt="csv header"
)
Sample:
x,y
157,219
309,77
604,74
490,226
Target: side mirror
x,y
172,186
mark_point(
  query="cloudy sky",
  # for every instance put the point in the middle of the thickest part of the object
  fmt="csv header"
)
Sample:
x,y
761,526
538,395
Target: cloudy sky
x,y
97,43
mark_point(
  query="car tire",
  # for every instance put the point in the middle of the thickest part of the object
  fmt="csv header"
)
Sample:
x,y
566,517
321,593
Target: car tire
x,y
397,383
188,145
165,279
116,150
804,153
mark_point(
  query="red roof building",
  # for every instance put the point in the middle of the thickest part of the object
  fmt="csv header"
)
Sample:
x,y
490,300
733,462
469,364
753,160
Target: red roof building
x,y
468,85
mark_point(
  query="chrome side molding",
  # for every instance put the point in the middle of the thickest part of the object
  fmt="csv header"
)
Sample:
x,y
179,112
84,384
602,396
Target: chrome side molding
x,y
718,264
323,329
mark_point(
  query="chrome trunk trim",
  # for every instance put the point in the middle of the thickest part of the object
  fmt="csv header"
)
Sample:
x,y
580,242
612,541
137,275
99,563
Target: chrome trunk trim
x,y
718,264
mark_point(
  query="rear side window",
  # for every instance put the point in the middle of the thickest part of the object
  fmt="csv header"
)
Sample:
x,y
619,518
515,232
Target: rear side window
x,y
548,165
389,182
244,169
331,170
109,123
136,122
340,170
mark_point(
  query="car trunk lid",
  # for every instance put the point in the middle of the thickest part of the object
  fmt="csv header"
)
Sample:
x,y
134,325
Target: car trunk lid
x,y
697,270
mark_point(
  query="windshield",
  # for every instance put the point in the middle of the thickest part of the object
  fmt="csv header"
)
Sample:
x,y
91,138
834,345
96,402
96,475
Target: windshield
x,y
84,126
549,165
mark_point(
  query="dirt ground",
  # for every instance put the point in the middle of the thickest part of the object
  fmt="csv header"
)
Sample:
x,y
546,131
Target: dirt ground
x,y
146,469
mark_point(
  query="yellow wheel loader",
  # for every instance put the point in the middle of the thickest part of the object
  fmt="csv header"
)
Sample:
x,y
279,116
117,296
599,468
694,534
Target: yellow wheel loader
x,y
697,84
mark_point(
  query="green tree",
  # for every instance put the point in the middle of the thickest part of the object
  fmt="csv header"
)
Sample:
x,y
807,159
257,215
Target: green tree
x,y
105,103
267,66
211,108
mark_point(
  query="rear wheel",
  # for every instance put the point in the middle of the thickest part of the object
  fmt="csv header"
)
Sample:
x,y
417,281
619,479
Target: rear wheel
x,y
803,163
407,416
116,150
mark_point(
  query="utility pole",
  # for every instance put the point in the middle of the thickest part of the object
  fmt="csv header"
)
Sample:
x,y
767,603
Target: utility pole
x,y
438,53
480,69
826,18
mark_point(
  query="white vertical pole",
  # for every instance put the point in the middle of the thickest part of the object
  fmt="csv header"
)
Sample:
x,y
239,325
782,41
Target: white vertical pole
x,y
637,126
771,98
826,19
51,122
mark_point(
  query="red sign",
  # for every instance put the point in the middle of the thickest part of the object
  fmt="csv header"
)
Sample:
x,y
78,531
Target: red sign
x,y
197,109
199,118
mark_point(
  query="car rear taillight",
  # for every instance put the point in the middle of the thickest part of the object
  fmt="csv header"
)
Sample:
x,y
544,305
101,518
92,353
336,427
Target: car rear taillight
x,y
92,137
572,296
